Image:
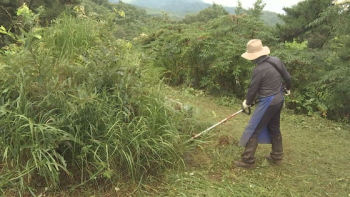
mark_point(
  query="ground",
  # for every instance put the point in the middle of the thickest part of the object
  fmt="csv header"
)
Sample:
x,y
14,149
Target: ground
x,y
316,156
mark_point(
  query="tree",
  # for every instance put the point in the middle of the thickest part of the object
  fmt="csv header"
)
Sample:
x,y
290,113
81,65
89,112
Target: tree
x,y
297,20
333,85
257,9
100,2
212,12
239,10
52,8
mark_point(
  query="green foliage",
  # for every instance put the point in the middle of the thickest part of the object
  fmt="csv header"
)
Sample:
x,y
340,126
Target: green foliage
x,y
329,90
239,10
96,11
29,15
100,2
75,108
207,56
297,20
305,66
70,37
206,15
333,86
80,101
132,24
256,11
296,45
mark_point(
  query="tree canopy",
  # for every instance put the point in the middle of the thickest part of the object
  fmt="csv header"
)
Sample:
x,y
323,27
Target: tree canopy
x,y
297,20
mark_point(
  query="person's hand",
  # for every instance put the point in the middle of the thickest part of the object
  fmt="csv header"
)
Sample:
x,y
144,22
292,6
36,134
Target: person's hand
x,y
244,105
287,92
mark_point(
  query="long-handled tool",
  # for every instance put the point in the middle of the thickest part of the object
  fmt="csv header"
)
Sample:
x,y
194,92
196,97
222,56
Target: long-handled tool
x,y
222,121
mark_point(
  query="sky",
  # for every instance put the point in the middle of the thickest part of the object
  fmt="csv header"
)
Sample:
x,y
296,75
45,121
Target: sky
x,y
271,5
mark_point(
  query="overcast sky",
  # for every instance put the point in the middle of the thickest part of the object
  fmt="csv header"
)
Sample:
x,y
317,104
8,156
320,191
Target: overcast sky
x,y
271,5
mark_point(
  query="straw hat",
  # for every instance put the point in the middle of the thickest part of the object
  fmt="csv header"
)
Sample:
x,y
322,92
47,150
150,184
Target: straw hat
x,y
255,49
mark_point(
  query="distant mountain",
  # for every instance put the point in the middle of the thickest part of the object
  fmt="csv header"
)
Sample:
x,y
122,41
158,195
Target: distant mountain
x,y
179,8
183,6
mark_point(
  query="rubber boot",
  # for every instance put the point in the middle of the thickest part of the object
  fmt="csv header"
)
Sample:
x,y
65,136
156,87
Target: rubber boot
x,y
247,157
276,154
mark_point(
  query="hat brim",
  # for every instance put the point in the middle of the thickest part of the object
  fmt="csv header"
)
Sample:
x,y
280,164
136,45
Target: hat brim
x,y
253,56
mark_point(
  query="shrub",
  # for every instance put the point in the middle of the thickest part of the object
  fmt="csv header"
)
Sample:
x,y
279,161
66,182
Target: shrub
x,y
77,106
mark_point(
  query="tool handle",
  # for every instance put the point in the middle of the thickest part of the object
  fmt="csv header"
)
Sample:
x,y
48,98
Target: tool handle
x,y
222,121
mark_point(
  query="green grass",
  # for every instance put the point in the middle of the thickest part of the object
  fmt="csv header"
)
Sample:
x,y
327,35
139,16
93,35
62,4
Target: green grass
x,y
75,112
316,161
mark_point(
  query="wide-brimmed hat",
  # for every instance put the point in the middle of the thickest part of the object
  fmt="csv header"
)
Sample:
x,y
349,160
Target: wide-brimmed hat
x,y
255,49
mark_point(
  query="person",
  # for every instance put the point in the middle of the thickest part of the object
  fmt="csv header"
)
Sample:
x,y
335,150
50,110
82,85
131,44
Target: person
x,y
266,85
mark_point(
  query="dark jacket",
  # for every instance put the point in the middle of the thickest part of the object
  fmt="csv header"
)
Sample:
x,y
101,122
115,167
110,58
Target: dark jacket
x,y
266,80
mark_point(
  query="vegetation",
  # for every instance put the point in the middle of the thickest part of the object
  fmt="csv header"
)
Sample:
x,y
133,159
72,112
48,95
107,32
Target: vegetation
x,y
179,9
85,99
75,109
48,10
315,159
298,18
206,54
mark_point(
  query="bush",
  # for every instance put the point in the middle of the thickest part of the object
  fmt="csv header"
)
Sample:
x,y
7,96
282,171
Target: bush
x,y
208,56
74,104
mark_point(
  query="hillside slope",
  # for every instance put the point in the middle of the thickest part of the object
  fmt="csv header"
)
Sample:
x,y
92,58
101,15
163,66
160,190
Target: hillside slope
x,y
316,161
316,158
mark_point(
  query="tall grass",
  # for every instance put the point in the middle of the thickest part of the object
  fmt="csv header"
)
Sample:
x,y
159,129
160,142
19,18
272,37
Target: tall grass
x,y
70,37
29,142
75,108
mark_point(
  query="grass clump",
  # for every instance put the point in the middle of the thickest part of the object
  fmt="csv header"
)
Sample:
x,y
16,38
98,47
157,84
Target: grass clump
x,y
75,109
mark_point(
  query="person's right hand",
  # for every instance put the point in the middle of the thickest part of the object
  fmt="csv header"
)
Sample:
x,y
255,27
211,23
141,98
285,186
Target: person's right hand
x,y
244,105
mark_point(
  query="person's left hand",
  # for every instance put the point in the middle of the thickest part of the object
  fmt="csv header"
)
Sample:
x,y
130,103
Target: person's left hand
x,y
287,93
